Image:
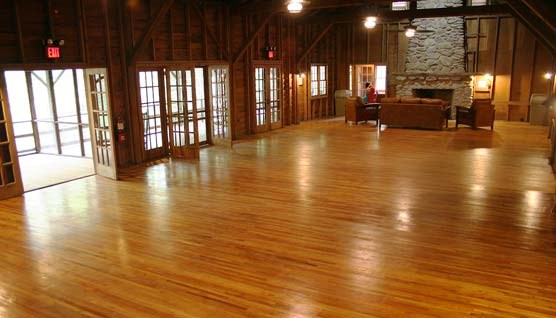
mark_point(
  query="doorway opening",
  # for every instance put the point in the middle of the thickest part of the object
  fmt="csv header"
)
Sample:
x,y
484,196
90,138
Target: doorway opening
x,y
51,111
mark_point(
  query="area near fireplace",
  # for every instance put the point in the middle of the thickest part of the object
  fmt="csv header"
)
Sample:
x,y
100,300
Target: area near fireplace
x,y
436,61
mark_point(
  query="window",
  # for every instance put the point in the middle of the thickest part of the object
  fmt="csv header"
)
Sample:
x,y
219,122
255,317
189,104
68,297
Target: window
x,y
380,79
478,2
318,80
400,5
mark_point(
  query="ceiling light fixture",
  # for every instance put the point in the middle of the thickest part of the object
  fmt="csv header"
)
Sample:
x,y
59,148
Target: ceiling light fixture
x,y
370,22
295,6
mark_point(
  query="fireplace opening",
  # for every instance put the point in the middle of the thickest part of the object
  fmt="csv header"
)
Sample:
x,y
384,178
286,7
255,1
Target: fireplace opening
x,y
446,95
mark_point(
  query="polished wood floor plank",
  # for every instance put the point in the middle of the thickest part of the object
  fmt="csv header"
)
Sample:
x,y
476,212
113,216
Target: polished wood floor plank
x,y
317,220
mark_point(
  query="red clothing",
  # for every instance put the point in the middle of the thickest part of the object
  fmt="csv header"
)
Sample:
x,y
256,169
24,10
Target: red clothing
x,y
371,95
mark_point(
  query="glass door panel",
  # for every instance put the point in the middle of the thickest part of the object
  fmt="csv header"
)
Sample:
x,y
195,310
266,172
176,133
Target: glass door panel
x,y
10,176
152,104
274,100
201,105
100,119
260,97
182,114
220,124
268,108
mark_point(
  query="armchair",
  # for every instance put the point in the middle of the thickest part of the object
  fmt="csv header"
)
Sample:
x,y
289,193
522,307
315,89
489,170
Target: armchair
x,y
357,111
481,113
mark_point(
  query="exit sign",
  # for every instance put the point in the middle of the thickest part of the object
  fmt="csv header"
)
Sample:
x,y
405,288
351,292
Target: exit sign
x,y
53,52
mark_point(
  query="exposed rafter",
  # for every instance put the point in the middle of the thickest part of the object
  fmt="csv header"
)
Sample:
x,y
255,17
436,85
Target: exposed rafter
x,y
395,16
197,9
316,41
152,25
279,5
541,31
252,38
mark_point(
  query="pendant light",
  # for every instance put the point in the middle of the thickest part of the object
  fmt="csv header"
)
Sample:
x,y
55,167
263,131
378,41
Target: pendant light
x,y
295,6
370,22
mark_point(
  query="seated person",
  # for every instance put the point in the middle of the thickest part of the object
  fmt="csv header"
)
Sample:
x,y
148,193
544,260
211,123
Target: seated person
x,y
370,94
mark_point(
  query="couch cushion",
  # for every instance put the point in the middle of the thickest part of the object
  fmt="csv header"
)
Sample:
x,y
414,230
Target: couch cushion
x,y
412,100
390,100
432,101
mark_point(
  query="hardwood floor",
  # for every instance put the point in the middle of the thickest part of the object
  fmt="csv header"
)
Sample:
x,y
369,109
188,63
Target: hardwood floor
x,y
318,220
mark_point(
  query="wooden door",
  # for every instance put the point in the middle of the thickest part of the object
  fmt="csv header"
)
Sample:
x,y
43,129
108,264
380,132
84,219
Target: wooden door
x,y
100,123
219,105
11,184
268,107
182,114
152,102
363,74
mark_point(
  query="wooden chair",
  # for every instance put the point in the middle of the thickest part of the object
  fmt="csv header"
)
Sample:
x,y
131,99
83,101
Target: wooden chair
x,y
480,114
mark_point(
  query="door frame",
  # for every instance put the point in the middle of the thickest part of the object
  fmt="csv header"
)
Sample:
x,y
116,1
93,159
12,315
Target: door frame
x,y
269,125
110,171
163,151
187,151
227,141
14,189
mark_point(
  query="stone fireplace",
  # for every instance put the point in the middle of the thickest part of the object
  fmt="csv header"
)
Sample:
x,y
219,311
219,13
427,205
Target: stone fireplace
x,y
436,60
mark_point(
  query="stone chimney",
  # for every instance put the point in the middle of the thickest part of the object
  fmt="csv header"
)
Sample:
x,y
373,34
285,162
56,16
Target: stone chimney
x,y
439,52
436,60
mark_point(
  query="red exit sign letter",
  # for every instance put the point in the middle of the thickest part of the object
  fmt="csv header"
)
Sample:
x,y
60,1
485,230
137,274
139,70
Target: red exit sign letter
x,y
53,52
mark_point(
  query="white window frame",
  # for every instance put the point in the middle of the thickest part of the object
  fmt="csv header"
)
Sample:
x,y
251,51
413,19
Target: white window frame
x,y
319,82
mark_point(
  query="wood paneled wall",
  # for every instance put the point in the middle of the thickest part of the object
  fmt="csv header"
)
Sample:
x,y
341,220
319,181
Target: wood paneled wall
x,y
506,49
108,34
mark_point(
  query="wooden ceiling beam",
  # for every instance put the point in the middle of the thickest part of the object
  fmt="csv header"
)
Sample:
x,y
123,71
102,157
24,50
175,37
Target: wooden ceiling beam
x,y
396,16
545,10
252,38
211,35
534,24
152,25
316,41
279,6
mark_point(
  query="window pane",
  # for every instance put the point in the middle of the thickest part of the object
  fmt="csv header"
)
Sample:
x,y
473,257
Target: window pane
x,y
381,79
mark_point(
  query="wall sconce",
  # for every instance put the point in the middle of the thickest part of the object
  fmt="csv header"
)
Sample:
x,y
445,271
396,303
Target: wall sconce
x,y
482,84
548,75
300,78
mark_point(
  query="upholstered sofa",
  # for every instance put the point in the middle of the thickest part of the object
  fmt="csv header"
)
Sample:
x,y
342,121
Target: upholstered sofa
x,y
425,113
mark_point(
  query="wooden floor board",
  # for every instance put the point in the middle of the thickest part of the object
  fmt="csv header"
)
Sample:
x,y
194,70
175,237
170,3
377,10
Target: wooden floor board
x,y
317,220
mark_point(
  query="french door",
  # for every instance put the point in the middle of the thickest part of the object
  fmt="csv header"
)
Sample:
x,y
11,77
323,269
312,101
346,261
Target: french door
x,y
219,105
100,123
11,184
363,74
174,112
153,113
268,108
183,116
